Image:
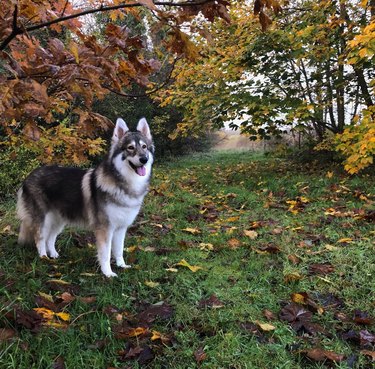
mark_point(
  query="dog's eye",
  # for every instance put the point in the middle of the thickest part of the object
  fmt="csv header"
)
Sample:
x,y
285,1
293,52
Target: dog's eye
x,y
144,147
130,147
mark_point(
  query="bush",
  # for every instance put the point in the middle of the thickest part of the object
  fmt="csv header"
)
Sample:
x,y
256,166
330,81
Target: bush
x,y
15,164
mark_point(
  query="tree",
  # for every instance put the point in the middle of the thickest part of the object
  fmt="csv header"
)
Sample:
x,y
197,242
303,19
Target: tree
x,y
301,73
53,68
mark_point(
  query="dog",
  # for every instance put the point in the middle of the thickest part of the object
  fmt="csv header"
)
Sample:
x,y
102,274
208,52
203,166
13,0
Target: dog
x,y
105,199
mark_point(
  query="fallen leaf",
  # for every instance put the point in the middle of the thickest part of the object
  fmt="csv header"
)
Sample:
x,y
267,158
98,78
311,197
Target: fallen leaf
x,y
294,259
234,243
299,298
366,339
193,268
345,240
251,234
292,277
212,302
269,314
267,249
368,353
321,269
152,284
362,317
192,230
265,327
318,354
200,355
7,333
206,246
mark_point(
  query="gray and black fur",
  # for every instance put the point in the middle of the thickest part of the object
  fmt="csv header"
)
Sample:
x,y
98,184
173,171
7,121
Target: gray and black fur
x,y
105,199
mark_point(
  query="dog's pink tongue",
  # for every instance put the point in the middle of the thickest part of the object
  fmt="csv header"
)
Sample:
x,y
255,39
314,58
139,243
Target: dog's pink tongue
x,y
141,171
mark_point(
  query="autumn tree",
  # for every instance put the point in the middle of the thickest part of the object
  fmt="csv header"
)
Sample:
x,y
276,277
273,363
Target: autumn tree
x,y
299,73
53,68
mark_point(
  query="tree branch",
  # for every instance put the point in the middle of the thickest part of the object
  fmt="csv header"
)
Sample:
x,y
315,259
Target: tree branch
x,y
17,31
156,89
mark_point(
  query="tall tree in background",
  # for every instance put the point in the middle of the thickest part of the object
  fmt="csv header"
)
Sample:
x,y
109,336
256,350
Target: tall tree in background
x,y
305,72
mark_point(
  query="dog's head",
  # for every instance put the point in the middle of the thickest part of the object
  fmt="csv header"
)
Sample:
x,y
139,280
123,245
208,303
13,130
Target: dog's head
x,y
132,150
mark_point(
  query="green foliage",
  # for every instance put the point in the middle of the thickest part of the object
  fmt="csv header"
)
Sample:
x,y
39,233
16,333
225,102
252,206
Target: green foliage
x,y
15,164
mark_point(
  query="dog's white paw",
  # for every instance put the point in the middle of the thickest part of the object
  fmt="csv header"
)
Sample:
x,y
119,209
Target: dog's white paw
x,y
110,274
53,254
121,264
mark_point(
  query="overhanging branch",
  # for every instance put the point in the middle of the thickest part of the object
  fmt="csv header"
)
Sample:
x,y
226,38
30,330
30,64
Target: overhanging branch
x,y
18,31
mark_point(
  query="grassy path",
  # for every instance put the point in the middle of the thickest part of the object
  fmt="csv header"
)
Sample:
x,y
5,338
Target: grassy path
x,y
239,262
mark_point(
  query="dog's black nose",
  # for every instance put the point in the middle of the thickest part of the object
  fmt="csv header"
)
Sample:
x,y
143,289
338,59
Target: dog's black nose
x,y
143,159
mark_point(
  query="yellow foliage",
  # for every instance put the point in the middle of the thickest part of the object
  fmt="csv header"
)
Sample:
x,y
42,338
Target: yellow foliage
x,y
357,143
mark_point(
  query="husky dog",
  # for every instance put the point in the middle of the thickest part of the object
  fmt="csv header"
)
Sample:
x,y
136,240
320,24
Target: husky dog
x,y
105,199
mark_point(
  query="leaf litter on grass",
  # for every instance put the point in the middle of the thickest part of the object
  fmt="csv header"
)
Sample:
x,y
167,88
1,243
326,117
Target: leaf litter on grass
x,y
279,268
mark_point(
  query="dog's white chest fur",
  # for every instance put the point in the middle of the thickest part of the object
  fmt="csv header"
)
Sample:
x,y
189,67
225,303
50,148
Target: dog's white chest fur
x,y
122,216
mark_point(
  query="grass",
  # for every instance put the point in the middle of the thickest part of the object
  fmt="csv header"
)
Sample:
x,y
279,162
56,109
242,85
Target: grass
x,y
197,210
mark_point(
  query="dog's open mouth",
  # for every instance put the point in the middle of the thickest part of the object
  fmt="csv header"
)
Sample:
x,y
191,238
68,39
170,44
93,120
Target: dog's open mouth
x,y
141,171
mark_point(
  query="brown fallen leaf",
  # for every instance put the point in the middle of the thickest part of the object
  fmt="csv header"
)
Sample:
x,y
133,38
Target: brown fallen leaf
x,y
321,269
362,317
294,259
267,249
7,333
269,314
234,243
212,302
368,353
318,354
200,355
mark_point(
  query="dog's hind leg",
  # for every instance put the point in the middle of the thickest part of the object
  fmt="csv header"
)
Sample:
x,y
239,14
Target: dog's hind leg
x,y
42,235
103,243
118,247
55,230
26,233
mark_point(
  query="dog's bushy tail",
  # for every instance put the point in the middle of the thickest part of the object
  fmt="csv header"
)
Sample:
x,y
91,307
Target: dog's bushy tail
x,y
26,234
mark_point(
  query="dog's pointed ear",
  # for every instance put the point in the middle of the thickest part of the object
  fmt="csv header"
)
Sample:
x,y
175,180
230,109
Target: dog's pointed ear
x,y
144,128
120,130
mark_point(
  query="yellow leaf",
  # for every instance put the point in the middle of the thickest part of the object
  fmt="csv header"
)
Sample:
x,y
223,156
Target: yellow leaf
x,y
345,240
45,313
74,50
151,284
329,174
135,332
156,336
58,281
193,268
192,230
331,248
233,219
299,298
206,246
265,327
292,277
252,234
63,316
131,248
46,296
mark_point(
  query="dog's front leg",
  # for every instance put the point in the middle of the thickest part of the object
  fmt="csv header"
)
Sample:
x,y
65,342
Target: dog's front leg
x,y
103,243
118,247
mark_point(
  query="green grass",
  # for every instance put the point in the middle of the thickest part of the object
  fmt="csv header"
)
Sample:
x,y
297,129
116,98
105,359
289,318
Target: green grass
x,y
219,196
